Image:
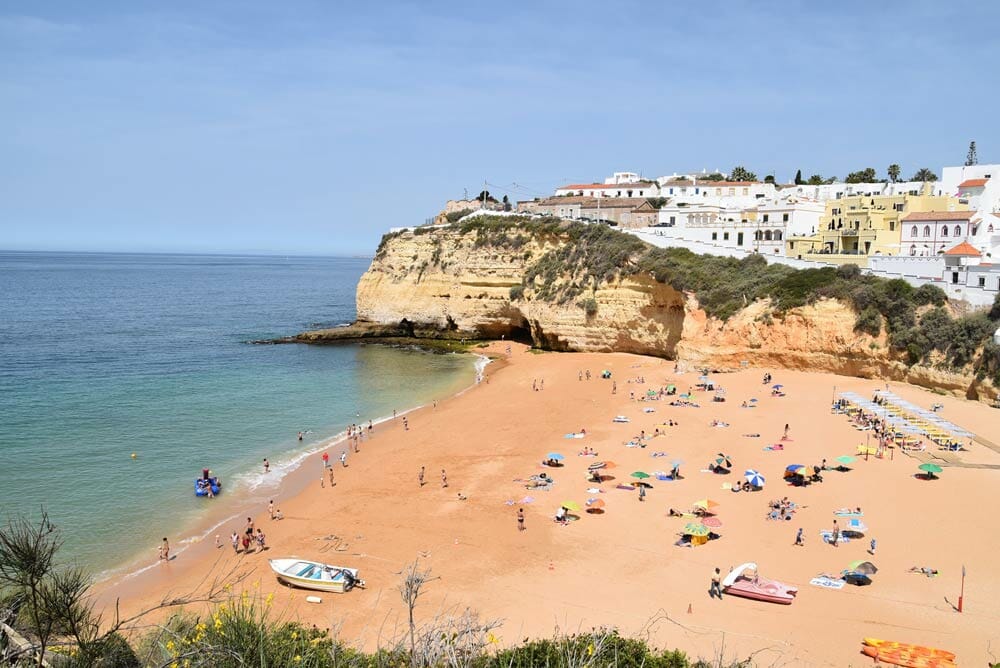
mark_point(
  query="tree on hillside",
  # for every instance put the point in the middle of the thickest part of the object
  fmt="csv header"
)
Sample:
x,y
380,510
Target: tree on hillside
x,y
485,196
798,178
769,178
924,174
715,176
741,173
893,172
866,175
815,180
971,159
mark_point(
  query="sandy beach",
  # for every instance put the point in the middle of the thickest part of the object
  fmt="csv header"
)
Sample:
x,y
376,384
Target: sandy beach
x,y
622,568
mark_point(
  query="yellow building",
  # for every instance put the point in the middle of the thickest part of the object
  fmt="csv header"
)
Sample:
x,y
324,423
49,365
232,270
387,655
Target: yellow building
x,y
853,228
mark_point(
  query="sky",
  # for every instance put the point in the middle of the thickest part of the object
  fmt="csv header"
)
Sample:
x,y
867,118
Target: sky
x,y
314,127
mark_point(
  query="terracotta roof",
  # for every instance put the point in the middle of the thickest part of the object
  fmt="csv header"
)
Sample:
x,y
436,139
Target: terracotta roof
x,y
964,248
973,183
709,184
616,202
938,215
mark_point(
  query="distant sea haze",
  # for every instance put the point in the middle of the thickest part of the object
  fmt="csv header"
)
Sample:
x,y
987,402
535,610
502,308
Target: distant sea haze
x,y
105,355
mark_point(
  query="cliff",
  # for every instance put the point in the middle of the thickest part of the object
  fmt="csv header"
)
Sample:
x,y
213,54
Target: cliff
x,y
455,283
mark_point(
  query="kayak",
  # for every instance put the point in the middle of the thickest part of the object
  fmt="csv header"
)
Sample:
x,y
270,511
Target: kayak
x,y
906,658
916,649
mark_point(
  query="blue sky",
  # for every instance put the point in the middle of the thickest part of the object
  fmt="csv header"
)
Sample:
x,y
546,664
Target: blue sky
x,y
312,127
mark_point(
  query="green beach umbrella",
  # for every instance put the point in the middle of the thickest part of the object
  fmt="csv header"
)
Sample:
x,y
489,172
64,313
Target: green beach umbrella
x,y
693,529
846,459
862,566
571,505
930,468
640,475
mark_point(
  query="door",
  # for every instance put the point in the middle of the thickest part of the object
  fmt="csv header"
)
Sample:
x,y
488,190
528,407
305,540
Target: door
x,y
739,239
954,277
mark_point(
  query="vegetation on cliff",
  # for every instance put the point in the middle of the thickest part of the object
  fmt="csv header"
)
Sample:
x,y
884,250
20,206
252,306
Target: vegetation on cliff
x,y
582,257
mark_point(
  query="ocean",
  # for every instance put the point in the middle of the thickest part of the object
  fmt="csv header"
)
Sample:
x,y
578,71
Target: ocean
x,y
106,355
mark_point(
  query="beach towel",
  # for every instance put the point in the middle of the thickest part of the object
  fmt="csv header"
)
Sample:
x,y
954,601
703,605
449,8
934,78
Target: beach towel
x,y
620,418
752,435
658,454
629,488
828,537
528,499
847,513
777,447
827,582
595,490
648,410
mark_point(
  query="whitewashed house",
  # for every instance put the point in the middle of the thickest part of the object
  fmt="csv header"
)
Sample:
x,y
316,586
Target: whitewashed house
x,y
929,233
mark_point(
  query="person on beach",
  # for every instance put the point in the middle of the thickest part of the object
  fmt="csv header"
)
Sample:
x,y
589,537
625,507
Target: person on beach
x,y
270,508
235,540
267,466
420,476
716,589
836,534
785,435
260,540
246,542
218,541
406,425
322,482
444,479
642,493
326,460
300,435
278,515
332,483
798,538
534,385
520,519
371,428
165,550
393,413
871,549
249,527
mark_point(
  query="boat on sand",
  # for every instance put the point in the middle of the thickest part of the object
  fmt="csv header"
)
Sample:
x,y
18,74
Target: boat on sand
x,y
315,575
745,581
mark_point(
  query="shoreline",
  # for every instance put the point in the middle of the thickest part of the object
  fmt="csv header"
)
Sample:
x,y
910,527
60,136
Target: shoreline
x,y
247,496
621,568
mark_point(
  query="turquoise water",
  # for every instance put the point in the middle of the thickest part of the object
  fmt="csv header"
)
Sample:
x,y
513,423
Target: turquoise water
x,y
103,355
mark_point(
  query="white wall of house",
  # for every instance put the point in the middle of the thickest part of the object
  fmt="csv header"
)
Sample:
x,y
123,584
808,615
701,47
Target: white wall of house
x,y
930,237
623,177
618,190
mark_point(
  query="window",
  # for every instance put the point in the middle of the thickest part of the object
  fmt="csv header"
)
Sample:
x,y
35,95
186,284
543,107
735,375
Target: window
x,y
913,249
784,217
697,190
725,236
767,235
892,225
927,230
746,191
673,219
765,217
715,236
913,232
958,231
898,207
982,281
944,231
640,193
718,192
671,191
732,191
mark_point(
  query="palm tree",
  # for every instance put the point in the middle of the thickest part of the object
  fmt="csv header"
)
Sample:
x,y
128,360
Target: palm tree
x,y
893,172
924,174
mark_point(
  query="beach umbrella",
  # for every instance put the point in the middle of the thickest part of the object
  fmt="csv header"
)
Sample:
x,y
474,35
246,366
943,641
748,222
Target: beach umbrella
x,y
671,387
703,378
705,504
677,462
556,456
693,529
753,401
794,468
640,475
722,460
930,468
608,464
571,505
861,566
846,459
754,478
595,503
777,387
650,393
858,579
712,522
596,466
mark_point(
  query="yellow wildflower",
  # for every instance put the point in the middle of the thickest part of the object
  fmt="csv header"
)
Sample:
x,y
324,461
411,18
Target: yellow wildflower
x,y
295,634
297,659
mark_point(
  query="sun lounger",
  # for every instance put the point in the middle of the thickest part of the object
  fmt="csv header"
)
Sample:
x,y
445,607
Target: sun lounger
x,y
620,418
847,512
827,582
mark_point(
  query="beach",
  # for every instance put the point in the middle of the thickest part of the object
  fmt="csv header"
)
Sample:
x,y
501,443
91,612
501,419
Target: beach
x,y
622,568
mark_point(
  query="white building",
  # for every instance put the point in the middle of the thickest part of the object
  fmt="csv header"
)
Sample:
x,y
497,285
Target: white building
x,y
928,233
977,185
619,178
832,191
630,189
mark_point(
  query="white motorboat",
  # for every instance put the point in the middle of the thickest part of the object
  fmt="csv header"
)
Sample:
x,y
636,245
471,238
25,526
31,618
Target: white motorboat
x,y
314,575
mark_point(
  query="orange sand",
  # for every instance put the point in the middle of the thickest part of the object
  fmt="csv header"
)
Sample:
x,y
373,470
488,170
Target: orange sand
x,y
621,568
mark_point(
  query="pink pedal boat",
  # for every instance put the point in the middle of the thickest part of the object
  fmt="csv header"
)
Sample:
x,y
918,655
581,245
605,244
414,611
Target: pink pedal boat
x,y
745,581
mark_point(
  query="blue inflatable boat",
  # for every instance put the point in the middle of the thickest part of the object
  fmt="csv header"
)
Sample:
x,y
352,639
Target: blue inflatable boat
x,y
205,483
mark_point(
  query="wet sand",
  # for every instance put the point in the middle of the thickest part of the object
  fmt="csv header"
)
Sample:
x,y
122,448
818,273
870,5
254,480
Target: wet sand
x,y
622,568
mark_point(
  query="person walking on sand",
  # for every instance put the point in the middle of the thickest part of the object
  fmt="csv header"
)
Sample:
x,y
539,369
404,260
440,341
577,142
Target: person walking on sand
x,y
798,538
871,549
614,387
420,476
444,479
270,508
406,425
326,460
520,519
785,435
267,466
332,483
343,459
260,540
836,534
235,540
642,493
322,481
534,384
165,550
246,542
716,588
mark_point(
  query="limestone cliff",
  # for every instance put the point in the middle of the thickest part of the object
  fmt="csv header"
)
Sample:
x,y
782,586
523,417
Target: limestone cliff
x,y
440,283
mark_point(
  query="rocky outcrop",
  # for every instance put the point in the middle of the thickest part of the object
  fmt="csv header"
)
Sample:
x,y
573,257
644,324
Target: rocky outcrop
x,y
439,283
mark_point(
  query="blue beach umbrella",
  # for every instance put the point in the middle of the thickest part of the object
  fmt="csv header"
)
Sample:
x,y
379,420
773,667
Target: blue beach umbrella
x,y
777,387
754,478
556,456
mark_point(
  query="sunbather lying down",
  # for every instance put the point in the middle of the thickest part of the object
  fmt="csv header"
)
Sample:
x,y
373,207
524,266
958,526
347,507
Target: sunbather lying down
x,y
924,570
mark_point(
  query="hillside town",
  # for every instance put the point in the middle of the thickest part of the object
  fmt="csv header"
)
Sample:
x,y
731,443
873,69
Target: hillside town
x,y
926,230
